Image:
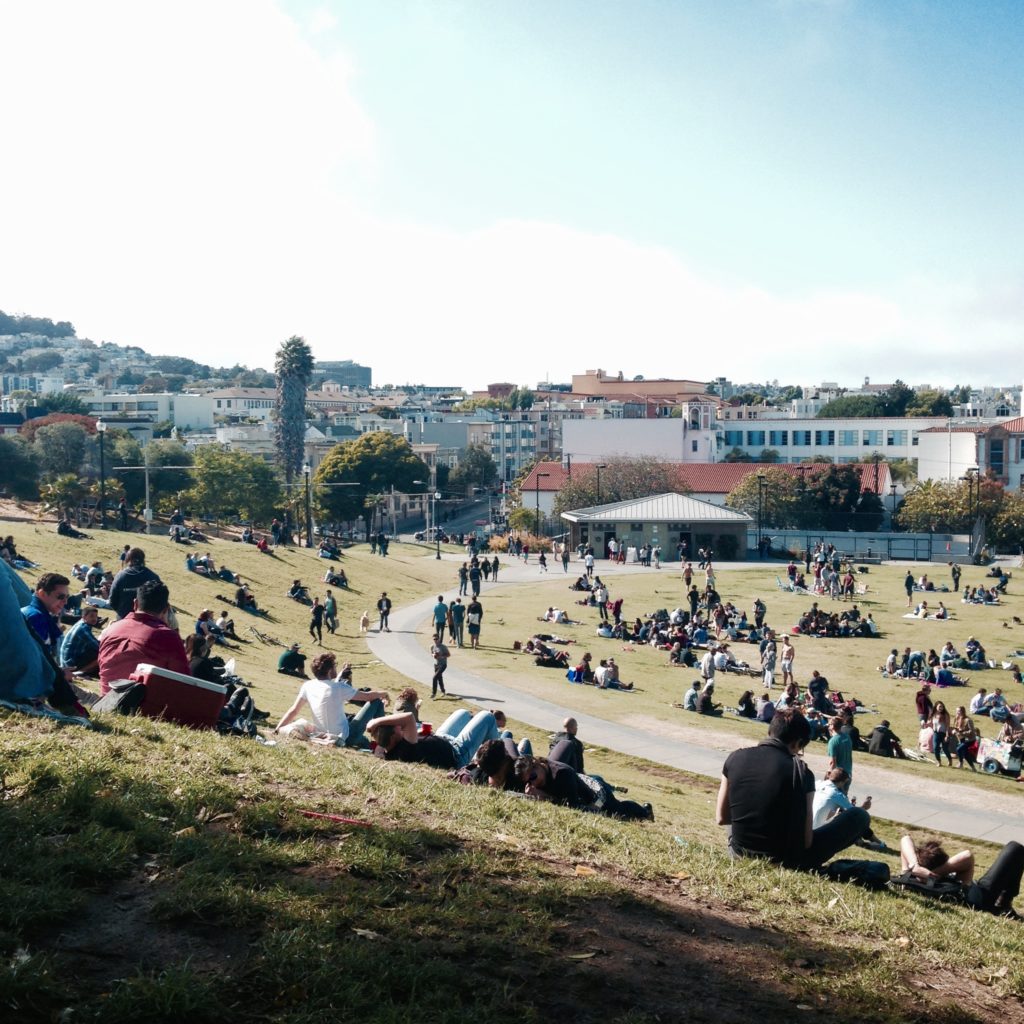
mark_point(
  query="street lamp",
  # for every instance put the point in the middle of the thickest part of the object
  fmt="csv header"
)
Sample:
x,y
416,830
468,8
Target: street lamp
x,y
603,465
437,532
972,478
537,495
309,516
101,429
892,491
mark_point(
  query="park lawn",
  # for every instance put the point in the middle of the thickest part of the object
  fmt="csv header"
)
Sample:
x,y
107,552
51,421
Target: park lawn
x,y
851,665
154,873
408,573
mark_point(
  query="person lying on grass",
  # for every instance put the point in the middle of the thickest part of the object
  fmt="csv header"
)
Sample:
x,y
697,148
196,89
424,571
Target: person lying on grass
x,y
452,746
549,780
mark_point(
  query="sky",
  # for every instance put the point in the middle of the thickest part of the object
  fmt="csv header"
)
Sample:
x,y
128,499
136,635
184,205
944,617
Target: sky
x,y
472,191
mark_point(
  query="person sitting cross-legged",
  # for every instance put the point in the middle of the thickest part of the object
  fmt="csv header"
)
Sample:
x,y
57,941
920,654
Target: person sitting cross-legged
x,y
766,796
325,696
79,647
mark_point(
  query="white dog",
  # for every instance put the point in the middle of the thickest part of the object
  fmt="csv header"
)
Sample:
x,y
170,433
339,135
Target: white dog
x,y
364,622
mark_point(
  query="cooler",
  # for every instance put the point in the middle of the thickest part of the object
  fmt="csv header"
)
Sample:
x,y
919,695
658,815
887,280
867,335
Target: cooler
x,y
179,698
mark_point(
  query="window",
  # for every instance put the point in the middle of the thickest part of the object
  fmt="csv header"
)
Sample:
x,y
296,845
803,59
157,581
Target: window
x,y
824,438
847,437
778,438
995,456
693,445
734,438
895,438
755,437
871,438
801,437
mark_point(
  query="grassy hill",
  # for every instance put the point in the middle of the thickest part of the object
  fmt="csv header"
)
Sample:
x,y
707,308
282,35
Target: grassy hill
x,y
153,873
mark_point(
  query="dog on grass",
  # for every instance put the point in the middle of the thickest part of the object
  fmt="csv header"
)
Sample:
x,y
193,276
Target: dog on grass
x,y
364,622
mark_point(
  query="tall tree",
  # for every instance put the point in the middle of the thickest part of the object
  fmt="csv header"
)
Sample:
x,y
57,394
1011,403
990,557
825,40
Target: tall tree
x,y
19,467
475,469
354,474
227,482
293,366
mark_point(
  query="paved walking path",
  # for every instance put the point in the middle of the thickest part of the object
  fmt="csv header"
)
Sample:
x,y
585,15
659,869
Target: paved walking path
x,y
962,810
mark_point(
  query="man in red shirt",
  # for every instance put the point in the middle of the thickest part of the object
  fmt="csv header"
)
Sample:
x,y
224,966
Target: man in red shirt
x,y
142,637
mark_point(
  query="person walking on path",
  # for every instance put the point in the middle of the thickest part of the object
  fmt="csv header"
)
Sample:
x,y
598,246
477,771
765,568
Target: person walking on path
x,y
565,558
463,579
330,613
543,561
494,568
440,617
474,619
588,563
440,654
457,619
384,609
316,621
474,579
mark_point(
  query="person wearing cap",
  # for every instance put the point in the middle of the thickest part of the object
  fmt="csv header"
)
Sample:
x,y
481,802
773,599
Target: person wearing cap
x,y
291,663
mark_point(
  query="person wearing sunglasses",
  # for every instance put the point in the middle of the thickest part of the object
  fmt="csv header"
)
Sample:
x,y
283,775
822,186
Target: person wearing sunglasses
x,y
42,616
544,779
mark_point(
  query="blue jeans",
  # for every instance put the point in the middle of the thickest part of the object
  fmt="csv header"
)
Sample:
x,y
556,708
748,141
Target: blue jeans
x,y
835,835
358,722
940,745
466,733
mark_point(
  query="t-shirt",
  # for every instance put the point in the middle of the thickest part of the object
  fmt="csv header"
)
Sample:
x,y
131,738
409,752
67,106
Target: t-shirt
x,y
291,661
440,612
828,799
435,751
326,699
840,749
768,790
564,786
139,638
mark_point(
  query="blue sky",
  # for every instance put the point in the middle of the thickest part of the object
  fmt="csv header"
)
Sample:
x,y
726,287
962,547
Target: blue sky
x,y
793,189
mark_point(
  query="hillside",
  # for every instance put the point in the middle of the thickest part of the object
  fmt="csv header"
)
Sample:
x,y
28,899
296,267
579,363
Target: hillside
x,y
155,873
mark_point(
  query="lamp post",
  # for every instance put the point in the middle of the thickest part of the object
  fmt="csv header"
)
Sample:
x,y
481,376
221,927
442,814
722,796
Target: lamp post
x,y
603,465
892,491
309,515
101,429
437,532
537,496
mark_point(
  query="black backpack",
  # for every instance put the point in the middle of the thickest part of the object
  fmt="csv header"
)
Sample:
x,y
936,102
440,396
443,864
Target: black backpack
x,y
948,889
125,697
871,874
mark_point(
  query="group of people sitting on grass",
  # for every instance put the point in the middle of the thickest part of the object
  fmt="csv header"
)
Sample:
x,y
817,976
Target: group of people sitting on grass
x,y
768,799
203,565
848,623
605,676
981,595
10,554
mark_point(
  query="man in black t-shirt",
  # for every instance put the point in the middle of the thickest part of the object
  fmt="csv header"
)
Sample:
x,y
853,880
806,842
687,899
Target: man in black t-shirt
x,y
544,779
766,795
457,739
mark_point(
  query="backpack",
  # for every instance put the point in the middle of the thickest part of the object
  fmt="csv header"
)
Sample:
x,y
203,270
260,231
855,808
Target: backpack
x,y
948,889
871,874
125,697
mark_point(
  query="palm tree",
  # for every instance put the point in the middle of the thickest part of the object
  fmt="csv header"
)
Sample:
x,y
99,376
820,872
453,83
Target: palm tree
x,y
293,366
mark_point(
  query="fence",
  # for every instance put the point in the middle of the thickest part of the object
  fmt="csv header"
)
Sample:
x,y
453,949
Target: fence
x,y
914,547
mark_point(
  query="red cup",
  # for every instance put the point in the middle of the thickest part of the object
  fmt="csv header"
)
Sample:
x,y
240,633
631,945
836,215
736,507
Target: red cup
x,y
426,728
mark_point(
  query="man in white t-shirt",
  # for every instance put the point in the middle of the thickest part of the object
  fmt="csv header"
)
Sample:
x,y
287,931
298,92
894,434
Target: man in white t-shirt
x,y
707,666
829,798
326,696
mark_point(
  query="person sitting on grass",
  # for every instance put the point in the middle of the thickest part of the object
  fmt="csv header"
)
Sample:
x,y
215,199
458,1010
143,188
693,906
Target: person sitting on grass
x,y
566,747
765,708
291,663
706,701
548,780
192,564
883,742
766,797
65,529
297,592
325,697
79,647
745,706
607,676
583,672
452,746
327,550
546,656
143,636
336,578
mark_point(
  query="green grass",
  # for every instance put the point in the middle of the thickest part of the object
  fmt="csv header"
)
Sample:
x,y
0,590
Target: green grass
x,y
149,872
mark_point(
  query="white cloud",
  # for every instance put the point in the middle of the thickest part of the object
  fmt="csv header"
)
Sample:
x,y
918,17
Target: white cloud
x,y
176,181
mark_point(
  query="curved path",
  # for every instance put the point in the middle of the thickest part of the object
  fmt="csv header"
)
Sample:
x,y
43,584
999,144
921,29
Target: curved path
x,y
964,810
